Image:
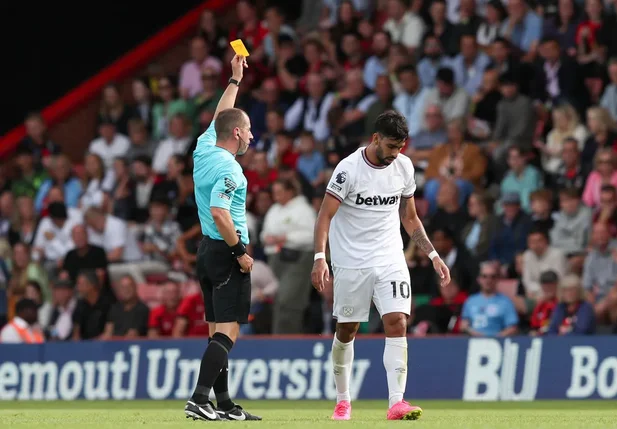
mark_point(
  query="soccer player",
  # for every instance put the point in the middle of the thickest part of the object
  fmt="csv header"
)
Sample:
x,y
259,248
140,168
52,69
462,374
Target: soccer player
x,y
223,266
371,191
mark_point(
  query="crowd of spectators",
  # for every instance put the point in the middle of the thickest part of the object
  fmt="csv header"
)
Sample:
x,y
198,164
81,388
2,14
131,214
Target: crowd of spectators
x,y
512,112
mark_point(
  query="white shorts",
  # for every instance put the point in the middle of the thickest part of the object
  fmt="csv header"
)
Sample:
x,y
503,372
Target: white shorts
x,y
389,287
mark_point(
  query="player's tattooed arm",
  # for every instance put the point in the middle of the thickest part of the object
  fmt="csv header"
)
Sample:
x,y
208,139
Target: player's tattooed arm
x,y
413,225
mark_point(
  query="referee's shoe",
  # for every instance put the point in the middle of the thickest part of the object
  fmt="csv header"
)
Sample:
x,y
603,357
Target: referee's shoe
x,y
201,412
236,413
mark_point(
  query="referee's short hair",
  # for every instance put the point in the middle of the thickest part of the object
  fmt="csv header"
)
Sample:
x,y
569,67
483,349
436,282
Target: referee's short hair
x,y
227,120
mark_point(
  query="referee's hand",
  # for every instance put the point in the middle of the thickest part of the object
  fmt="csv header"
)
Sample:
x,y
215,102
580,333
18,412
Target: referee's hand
x,y
246,263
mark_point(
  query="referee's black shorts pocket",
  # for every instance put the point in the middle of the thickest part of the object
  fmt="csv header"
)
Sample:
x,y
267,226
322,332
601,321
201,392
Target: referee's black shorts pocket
x,y
219,263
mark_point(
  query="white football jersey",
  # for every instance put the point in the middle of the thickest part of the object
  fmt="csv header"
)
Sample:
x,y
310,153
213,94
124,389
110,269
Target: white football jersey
x,y
365,231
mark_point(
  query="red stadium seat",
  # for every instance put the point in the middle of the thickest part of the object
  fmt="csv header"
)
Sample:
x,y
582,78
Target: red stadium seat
x,y
508,287
149,293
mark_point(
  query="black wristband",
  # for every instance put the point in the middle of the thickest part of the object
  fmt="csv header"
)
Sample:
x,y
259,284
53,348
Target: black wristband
x,y
234,81
238,249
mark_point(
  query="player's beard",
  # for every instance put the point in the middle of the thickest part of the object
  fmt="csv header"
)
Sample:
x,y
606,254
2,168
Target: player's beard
x,y
381,157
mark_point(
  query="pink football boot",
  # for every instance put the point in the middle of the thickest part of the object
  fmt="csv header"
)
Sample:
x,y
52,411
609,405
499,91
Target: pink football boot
x,y
404,411
342,411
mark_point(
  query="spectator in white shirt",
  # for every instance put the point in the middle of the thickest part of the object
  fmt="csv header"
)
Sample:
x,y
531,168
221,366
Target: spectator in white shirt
x,y
311,113
288,238
23,328
454,101
111,144
190,73
98,183
53,238
177,143
113,235
410,102
404,26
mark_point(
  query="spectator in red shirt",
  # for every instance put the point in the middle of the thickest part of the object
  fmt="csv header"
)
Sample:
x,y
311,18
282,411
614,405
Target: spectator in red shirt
x,y
251,30
452,298
286,154
541,316
353,56
163,317
260,176
191,320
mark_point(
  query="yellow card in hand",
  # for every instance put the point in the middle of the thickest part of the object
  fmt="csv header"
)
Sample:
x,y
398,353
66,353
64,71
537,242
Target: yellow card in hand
x,y
239,48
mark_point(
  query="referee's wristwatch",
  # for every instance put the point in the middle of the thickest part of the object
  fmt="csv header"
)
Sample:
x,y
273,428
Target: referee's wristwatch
x,y
234,81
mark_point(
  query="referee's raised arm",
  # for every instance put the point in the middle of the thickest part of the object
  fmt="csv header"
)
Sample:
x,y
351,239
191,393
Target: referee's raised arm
x,y
228,99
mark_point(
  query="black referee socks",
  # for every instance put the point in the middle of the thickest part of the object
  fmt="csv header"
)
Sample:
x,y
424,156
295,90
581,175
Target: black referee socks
x,y
214,368
223,401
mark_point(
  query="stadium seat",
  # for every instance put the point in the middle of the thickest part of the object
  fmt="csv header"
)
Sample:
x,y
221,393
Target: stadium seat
x,y
149,293
508,287
190,287
157,278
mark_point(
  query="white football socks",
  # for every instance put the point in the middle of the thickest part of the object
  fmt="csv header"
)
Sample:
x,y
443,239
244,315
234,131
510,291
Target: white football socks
x,y
395,362
342,359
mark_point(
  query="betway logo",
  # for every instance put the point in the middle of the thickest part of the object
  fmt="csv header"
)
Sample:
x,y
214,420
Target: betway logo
x,y
376,200
164,375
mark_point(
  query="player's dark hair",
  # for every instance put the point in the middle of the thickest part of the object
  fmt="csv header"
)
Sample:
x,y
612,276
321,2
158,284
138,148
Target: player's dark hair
x,y
392,125
227,120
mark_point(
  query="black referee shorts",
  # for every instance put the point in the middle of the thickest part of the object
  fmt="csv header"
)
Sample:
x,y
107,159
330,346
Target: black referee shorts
x,y
226,290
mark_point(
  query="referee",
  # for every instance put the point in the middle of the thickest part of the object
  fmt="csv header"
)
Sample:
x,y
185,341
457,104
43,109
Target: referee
x,y
223,266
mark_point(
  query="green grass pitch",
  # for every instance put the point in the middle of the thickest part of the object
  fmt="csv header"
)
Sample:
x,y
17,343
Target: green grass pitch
x,y
313,414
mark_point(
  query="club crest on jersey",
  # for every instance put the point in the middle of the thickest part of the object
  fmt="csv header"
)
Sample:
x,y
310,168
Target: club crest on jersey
x,y
347,311
341,177
376,200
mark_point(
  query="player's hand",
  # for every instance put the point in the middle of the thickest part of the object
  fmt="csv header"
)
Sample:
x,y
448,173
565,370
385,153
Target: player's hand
x,y
246,263
442,269
320,274
238,64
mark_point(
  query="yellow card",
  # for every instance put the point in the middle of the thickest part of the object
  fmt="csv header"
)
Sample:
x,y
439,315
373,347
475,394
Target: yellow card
x,y
239,48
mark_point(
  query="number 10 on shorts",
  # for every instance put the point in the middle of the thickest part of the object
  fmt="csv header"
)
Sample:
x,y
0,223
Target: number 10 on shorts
x,y
403,288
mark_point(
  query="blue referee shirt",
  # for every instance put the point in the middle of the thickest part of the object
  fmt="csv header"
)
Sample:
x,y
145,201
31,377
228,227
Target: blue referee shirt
x,y
219,182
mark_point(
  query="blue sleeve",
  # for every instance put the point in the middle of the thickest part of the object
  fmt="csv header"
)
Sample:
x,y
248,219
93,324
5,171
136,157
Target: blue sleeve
x,y
224,189
208,138
533,32
585,320
466,310
73,192
556,320
41,194
511,317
